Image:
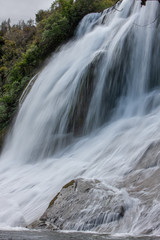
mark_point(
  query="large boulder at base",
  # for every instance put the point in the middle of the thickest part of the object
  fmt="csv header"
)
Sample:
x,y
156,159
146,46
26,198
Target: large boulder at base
x,y
83,205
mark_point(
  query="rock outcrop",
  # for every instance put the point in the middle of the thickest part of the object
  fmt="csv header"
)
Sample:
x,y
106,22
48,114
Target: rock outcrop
x,y
83,205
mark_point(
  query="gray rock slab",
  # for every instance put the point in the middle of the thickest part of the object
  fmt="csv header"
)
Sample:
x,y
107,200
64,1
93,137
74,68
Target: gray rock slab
x,y
83,205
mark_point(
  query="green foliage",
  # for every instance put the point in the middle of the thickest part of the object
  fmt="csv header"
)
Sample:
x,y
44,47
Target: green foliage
x,y
41,15
24,46
55,32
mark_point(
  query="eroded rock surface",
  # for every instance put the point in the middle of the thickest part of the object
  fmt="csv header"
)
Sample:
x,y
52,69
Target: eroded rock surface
x,y
83,205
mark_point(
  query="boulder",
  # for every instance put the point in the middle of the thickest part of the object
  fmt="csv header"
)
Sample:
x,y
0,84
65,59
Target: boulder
x,y
83,205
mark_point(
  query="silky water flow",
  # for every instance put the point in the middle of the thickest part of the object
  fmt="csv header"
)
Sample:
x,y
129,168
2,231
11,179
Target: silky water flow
x,y
93,112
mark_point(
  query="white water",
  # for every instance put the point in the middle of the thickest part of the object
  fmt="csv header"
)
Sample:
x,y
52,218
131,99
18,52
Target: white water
x,y
113,65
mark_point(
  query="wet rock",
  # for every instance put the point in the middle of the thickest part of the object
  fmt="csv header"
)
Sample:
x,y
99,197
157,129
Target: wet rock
x,y
150,157
83,205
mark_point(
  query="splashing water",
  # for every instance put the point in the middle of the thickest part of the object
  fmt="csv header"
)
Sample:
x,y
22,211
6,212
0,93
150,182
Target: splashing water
x,y
93,112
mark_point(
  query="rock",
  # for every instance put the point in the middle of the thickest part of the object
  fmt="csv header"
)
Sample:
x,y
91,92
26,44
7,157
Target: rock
x,y
83,205
150,157
43,224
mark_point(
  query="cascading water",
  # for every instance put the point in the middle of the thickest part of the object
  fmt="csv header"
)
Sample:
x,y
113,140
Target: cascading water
x,y
93,112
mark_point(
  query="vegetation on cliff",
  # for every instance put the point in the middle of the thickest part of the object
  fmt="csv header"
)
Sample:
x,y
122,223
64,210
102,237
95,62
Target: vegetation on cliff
x,y
24,46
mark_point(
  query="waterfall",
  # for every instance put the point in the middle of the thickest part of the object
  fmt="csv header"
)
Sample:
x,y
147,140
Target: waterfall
x,y
93,112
